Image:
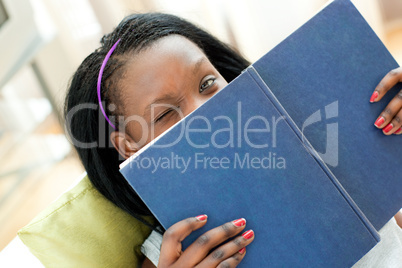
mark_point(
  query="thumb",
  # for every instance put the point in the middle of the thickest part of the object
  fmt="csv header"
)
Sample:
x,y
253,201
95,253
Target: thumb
x,y
172,238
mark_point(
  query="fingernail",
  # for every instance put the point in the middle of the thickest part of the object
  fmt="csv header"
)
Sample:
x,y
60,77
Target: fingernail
x,y
388,128
248,234
398,130
374,96
242,250
239,222
202,217
379,121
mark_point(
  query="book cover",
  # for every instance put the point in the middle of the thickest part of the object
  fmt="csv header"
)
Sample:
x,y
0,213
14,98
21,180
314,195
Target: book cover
x,y
255,160
298,215
323,76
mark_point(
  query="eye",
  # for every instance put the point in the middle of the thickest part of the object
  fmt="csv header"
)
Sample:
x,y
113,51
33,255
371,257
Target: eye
x,y
207,83
159,118
164,115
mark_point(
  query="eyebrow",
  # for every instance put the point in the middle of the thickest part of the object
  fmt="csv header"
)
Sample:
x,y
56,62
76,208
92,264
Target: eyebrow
x,y
198,64
166,97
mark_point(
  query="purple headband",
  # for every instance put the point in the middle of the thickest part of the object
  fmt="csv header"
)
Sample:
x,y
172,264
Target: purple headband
x,y
100,82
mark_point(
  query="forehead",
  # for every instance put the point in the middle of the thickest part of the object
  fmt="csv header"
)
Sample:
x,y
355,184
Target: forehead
x,y
159,69
167,51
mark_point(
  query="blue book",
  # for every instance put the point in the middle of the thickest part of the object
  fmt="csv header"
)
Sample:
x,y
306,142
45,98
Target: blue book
x,y
293,150
328,69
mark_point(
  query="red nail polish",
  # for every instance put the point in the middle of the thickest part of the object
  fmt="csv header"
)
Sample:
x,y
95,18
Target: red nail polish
x,y
248,234
239,222
202,217
388,128
242,250
374,96
398,130
379,121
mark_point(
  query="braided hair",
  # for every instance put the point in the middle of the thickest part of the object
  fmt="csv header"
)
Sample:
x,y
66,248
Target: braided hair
x,y
88,129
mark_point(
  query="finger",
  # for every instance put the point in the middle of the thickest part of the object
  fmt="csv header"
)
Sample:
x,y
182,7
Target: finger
x,y
203,245
393,107
234,260
390,80
172,238
398,131
395,124
227,250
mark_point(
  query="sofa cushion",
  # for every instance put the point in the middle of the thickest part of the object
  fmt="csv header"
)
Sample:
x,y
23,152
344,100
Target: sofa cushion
x,y
84,229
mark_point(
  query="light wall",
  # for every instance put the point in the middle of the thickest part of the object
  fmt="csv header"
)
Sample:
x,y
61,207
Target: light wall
x,y
253,26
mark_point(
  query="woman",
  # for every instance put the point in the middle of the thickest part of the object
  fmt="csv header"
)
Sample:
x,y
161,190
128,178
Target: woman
x,y
149,41
159,68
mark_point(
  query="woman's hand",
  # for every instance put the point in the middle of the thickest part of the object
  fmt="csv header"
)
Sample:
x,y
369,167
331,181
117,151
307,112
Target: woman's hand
x,y
390,120
199,254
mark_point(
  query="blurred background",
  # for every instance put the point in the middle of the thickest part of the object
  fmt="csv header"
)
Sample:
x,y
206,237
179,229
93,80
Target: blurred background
x,y
42,42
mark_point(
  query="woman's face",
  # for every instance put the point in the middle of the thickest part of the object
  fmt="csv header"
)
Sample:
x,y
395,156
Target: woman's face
x,y
160,85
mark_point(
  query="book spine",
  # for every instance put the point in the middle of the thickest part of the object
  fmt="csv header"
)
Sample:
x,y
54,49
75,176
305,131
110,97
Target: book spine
x,y
310,149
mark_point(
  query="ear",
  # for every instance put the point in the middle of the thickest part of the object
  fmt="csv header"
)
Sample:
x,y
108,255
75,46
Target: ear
x,y
123,144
